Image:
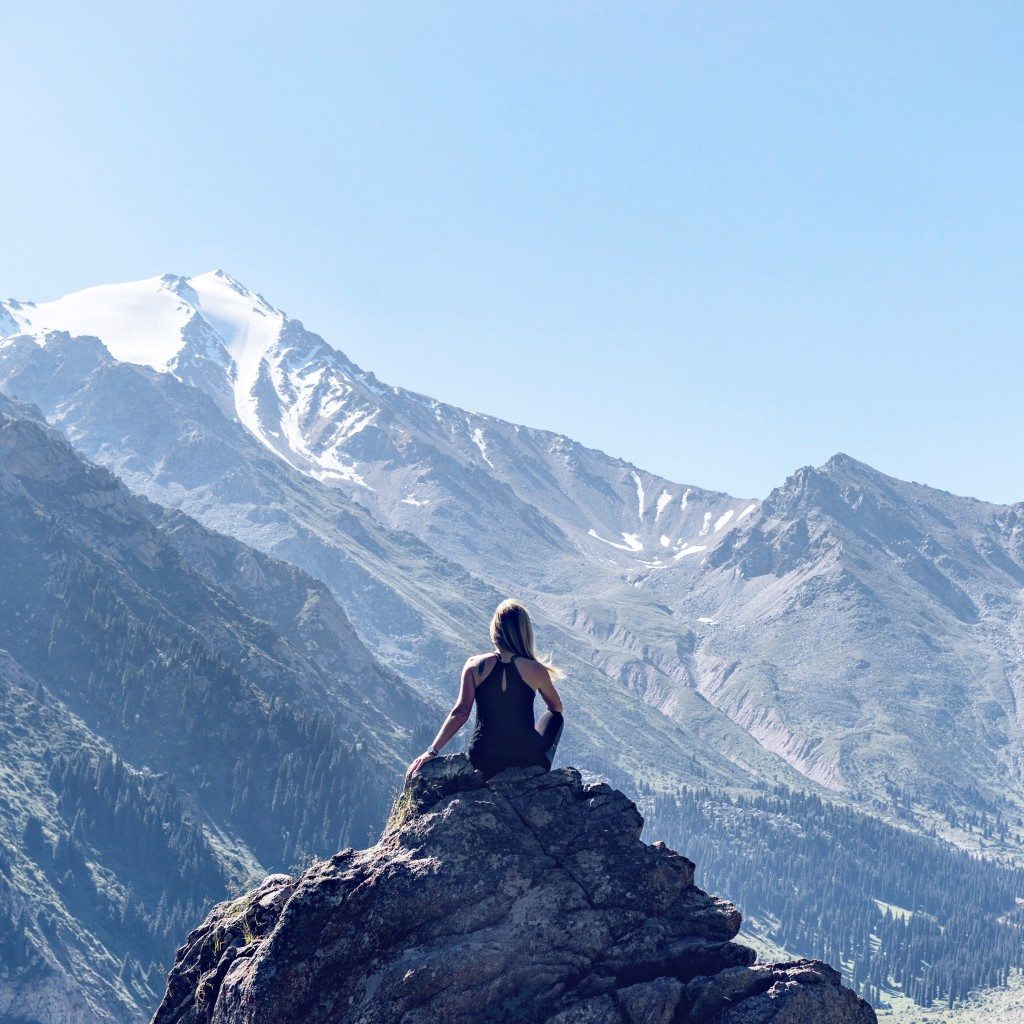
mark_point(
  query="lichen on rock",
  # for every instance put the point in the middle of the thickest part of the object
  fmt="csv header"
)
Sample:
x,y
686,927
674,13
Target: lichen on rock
x,y
527,899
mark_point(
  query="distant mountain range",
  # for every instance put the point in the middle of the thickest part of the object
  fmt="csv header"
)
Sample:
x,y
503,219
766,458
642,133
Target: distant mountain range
x,y
418,607
859,628
850,634
414,461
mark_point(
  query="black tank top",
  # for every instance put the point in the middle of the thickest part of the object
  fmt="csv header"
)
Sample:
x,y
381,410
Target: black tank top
x,y
504,718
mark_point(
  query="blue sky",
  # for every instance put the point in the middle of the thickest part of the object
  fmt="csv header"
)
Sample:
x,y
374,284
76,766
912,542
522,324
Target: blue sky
x,y
719,240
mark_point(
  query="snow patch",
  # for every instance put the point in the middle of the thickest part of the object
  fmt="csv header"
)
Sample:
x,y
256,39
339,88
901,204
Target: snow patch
x,y
354,423
746,512
665,541
478,440
336,401
707,524
330,469
685,501
663,499
411,499
690,549
632,542
723,519
639,495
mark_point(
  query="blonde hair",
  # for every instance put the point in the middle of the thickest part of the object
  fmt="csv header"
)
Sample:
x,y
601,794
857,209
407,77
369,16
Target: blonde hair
x,y
512,629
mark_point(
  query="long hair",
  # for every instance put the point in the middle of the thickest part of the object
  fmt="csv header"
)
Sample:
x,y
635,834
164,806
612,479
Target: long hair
x,y
512,629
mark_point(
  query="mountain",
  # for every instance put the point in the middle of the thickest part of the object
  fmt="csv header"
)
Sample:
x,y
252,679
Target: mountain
x,y
528,899
904,606
904,602
417,610
524,510
159,740
447,475
851,637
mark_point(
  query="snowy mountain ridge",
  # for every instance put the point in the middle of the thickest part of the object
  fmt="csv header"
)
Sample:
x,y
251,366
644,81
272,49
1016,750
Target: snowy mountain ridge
x,y
169,323
391,448
829,628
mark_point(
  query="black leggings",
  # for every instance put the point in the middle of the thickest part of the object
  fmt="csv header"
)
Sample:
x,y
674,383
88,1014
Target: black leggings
x,y
549,725
549,729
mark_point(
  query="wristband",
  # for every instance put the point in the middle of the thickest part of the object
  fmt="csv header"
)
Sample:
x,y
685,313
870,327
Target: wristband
x,y
433,753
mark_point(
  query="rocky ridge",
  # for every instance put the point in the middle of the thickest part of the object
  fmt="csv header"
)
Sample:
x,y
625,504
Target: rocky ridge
x,y
529,899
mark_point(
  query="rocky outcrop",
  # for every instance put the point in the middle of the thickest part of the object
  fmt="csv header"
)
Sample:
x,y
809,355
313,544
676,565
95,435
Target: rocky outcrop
x,y
528,899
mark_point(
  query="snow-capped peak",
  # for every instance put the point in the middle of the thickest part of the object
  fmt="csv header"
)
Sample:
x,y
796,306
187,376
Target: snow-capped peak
x,y
144,321
139,322
246,322
169,321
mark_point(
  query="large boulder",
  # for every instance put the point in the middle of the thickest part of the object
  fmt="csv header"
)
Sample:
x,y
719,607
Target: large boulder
x,y
527,899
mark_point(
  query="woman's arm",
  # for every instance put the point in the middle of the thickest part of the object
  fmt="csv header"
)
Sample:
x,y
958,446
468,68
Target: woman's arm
x,y
456,719
547,690
536,675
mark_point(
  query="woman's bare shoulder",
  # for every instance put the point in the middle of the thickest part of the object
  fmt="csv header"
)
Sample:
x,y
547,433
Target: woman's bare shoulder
x,y
479,661
532,671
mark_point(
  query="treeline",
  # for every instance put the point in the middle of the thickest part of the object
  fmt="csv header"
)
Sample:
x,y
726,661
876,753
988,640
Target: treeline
x,y
967,810
221,739
123,858
894,910
137,828
137,821
283,776
127,858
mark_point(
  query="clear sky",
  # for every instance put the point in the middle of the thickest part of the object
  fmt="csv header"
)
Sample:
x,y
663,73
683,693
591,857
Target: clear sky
x,y
721,240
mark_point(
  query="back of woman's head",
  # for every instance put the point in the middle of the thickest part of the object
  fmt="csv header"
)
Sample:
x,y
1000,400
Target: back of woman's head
x,y
512,629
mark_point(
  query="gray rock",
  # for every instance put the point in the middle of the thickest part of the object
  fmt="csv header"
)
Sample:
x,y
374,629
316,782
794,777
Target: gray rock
x,y
527,899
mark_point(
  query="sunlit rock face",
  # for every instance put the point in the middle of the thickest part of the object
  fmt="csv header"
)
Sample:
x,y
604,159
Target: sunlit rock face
x,y
530,898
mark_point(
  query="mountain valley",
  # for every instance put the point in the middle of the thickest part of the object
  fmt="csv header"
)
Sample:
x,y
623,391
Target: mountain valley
x,y
325,545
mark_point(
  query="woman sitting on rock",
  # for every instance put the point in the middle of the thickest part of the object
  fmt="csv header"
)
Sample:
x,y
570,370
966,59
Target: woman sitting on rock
x,y
503,685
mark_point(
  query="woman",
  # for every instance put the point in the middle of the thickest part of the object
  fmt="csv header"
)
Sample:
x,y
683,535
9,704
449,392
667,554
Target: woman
x,y
503,685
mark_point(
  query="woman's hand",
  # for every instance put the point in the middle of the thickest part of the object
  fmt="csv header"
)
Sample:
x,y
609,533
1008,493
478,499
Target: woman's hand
x,y
417,765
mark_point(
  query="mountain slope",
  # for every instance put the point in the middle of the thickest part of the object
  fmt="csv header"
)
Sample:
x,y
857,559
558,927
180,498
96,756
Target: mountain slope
x,y
891,613
447,475
900,913
158,740
416,609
